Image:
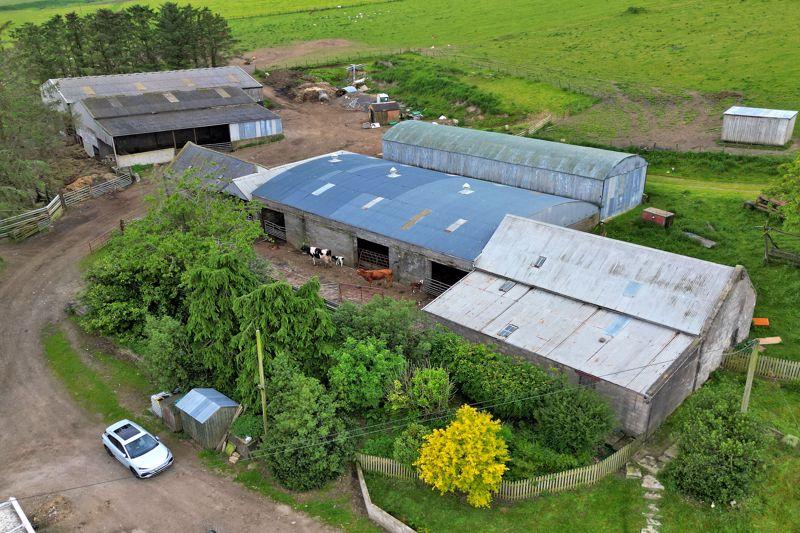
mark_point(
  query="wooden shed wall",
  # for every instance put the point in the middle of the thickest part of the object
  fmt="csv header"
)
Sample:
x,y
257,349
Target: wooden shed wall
x,y
757,130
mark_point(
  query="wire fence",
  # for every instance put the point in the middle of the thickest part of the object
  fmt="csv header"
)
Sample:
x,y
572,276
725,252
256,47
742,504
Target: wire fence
x,y
522,489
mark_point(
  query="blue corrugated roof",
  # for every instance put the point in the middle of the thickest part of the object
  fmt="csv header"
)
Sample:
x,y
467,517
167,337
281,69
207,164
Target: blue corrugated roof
x,y
433,198
201,404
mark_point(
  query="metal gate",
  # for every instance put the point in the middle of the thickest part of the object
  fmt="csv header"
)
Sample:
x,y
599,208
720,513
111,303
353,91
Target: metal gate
x,y
370,259
434,287
274,230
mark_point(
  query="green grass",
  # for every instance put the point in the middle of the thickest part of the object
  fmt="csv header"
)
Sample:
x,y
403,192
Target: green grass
x,y
326,504
86,386
612,505
530,97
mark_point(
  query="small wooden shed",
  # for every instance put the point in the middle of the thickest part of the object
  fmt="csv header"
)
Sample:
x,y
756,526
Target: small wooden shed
x,y
384,112
206,415
750,125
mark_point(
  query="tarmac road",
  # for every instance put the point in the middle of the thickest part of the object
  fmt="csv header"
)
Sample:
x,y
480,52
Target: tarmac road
x,y
48,444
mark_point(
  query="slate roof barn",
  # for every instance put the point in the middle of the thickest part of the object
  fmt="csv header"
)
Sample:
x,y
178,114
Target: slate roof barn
x,y
613,181
751,125
642,326
206,415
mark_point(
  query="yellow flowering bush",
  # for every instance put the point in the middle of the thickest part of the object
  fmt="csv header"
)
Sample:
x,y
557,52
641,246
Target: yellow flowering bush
x,y
469,456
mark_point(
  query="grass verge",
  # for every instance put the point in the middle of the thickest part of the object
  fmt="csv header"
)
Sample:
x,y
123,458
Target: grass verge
x,y
328,505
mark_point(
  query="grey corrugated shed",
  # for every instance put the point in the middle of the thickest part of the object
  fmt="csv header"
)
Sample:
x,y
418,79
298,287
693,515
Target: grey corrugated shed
x,y
565,158
75,89
202,404
668,289
223,171
178,120
159,102
760,112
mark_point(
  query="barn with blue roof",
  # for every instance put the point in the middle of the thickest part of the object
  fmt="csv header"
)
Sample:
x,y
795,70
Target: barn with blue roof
x,y
422,223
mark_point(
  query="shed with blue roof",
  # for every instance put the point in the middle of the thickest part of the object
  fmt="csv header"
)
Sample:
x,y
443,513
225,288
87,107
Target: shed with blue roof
x,y
421,223
206,415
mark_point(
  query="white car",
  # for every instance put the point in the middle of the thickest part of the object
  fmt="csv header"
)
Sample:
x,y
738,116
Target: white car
x,y
141,452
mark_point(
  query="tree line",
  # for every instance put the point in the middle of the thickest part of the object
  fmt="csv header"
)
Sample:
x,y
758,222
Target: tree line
x,y
134,39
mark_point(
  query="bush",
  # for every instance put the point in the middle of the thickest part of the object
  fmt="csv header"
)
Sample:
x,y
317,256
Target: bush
x,y
361,373
166,358
406,446
574,421
379,445
306,444
469,456
721,450
425,391
397,323
250,424
529,458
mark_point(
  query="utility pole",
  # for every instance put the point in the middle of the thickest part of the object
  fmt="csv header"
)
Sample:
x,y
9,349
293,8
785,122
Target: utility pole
x,y
261,385
751,370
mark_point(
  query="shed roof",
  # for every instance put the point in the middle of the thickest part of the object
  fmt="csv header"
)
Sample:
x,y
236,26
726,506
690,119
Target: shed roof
x,y
385,106
75,89
663,288
223,171
191,118
599,342
448,214
565,158
201,404
761,112
164,102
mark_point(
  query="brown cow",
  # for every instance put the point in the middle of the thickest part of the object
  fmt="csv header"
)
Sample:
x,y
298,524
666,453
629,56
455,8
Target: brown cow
x,y
373,275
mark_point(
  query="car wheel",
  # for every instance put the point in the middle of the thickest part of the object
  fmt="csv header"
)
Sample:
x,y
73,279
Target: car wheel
x,y
134,473
108,451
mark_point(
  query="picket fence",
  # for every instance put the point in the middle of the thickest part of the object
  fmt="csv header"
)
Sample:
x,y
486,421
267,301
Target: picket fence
x,y
26,224
523,489
767,367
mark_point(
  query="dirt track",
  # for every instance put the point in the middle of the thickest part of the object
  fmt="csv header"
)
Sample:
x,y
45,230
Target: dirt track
x,y
47,443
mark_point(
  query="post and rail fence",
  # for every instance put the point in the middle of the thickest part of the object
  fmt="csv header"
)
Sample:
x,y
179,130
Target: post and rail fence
x,y
523,489
31,222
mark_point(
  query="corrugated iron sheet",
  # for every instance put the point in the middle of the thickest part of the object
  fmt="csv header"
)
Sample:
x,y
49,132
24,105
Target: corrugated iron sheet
x,y
160,102
74,89
602,343
675,291
222,171
201,404
359,180
761,112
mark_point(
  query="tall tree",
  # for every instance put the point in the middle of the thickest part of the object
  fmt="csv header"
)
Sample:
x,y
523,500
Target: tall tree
x,y
142,36
216,41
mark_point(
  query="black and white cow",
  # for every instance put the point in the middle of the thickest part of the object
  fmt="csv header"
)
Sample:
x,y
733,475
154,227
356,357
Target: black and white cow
x,y
323,254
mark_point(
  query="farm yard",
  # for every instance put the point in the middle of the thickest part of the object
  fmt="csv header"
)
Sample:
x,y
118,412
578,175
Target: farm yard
x,y
431,353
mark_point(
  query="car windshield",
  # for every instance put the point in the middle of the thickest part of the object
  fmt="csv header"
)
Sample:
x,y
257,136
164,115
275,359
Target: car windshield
x,y
141,446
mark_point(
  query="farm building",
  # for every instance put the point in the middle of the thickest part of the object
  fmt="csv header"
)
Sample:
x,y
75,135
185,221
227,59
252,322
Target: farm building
x,y
642,326
421,223
225,172
206,415
613,181
148,128
62,93
384,112
750,125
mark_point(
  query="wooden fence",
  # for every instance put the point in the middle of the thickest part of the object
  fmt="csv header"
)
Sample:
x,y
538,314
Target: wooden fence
x,y
523,489
26,224
768,367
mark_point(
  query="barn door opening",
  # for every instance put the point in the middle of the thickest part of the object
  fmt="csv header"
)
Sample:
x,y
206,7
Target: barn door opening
x,y
442,277
372,255
274,224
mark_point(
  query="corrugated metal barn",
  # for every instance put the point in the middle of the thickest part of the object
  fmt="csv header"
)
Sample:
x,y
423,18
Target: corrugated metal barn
x,y
421,223
224,172
613,181
147,128
642,326
63,92
750,125
206,415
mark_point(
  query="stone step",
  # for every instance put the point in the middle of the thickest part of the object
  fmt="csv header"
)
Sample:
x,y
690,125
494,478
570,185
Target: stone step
x,y
632,471
652,496
651,483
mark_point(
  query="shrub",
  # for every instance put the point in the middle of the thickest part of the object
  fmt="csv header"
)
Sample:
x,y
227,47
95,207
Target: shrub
x,y
379,445
529,458
574,420
407,445
721,450
425,391
397,323
306,443
250,424
166,358
469,456
362,371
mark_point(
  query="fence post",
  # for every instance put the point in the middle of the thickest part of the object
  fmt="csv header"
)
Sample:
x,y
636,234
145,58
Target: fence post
x,y
122,225
61,199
